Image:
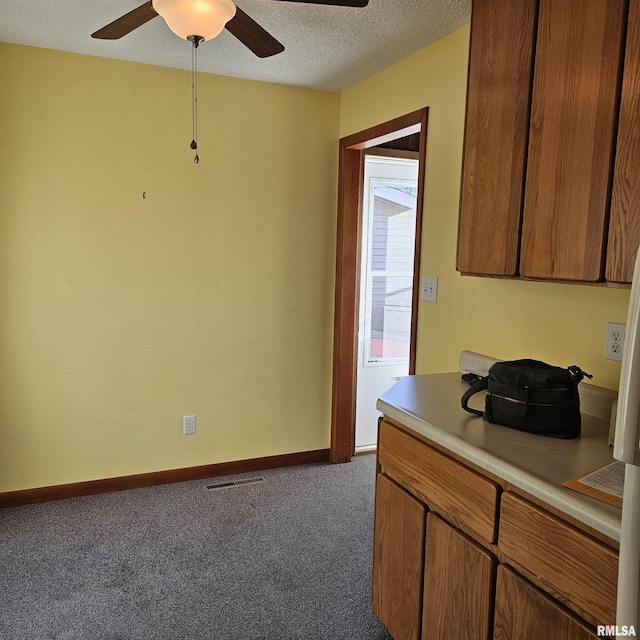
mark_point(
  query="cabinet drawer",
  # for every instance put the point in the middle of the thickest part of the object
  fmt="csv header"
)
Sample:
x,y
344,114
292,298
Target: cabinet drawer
x,y
444,484
578,568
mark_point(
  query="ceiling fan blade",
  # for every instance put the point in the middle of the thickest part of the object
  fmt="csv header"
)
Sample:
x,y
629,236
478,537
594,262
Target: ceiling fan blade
x,y
126,23
252,35
333,3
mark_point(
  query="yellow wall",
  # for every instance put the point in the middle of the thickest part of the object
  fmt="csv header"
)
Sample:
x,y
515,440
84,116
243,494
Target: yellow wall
x,y
213,295
559,323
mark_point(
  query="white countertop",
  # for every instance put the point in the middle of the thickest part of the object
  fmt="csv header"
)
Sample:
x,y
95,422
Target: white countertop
x,y
430,405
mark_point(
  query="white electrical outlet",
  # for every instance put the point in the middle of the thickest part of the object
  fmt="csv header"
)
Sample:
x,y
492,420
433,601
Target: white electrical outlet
x,y
429,289
188,425
615,341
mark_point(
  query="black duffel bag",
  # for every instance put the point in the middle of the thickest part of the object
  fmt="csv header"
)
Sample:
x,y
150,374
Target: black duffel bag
x,y
532,396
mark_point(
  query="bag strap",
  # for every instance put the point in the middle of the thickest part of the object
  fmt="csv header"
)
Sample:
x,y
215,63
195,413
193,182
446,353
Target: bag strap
x,y
577,374
480,385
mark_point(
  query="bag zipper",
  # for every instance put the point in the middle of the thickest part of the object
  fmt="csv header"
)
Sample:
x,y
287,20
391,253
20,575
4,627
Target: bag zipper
x,y
531,404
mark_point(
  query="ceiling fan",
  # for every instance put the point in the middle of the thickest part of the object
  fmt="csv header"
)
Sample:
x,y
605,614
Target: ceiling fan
x,y
185,17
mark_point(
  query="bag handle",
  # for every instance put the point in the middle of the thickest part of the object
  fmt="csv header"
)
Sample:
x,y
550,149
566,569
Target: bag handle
x,y
479,385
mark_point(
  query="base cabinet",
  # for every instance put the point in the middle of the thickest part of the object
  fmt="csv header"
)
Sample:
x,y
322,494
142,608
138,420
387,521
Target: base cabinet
x,y
526,613
398,547
580,570
459,579
440,571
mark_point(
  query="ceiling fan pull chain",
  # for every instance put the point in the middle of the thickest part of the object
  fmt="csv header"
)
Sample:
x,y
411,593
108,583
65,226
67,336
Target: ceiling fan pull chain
x,y
196,40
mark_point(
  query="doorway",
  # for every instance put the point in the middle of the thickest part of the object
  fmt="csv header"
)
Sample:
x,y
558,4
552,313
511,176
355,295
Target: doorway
x,y
381,139
389,203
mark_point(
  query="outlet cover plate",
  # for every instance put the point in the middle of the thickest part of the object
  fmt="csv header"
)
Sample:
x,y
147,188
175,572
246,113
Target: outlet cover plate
x,y
429,289
188,425
615,341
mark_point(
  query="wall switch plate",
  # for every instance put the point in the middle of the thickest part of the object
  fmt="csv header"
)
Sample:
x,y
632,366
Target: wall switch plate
x,y
615,341
429,289
188,425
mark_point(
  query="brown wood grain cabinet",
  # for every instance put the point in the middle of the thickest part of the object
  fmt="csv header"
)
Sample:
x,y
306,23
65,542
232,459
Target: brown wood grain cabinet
x,y
496,133
444,568
399,550
571,138
459,578
544,211
526,613
624,224
437,480
581,571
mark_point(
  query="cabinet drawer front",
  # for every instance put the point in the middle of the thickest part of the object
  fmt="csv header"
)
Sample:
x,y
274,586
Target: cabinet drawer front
x,y
578,568
444,484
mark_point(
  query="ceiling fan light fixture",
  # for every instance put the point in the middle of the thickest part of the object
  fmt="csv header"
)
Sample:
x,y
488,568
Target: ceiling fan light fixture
x,y
204,18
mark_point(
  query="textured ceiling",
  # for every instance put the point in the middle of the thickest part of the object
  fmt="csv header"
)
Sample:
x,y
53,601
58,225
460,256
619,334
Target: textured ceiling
x,y
326,47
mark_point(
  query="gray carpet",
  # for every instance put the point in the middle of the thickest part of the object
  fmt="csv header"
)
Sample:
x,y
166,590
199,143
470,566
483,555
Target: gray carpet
x,y
286,559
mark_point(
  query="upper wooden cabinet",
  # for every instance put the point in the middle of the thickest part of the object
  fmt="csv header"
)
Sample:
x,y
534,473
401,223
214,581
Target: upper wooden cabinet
x,y
544,212
496,132
571,138
624,225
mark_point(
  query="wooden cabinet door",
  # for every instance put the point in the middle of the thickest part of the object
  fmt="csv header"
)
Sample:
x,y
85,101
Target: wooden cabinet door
x,y
624,225
580,570
466,497
571,139
495,139
398,559
525,613
459,583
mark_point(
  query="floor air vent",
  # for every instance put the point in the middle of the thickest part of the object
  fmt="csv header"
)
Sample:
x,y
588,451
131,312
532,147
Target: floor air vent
x,y
233,483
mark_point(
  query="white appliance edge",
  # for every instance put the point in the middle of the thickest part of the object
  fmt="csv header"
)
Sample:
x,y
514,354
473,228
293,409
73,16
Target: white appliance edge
x,y
627,449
